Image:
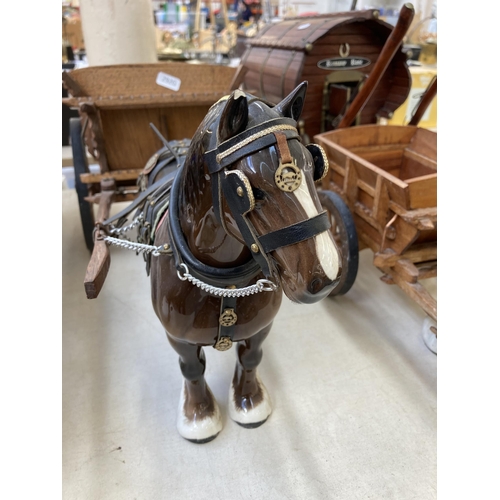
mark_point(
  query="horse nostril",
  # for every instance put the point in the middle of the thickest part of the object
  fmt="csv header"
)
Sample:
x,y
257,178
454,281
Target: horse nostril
x,y
316,286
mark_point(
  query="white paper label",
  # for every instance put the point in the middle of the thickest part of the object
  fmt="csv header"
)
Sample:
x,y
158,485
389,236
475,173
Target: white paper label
x,y
304,26
168,81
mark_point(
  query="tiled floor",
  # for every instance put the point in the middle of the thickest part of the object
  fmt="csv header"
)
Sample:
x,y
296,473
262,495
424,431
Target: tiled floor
x,y
353,387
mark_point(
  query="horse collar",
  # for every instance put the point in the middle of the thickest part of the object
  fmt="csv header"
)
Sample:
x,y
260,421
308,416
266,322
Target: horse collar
x,y
222,277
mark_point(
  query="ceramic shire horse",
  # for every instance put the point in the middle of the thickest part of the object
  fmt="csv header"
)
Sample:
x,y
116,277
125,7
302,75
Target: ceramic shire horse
x,y
244,224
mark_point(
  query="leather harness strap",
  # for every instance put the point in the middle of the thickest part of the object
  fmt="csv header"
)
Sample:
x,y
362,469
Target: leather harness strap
x,y
295,233
282,147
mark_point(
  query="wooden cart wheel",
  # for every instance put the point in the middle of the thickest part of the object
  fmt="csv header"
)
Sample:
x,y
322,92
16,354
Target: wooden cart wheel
x,y
80,164
345,236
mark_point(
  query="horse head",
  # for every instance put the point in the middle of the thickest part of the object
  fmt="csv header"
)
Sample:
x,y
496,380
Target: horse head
x,y
264,193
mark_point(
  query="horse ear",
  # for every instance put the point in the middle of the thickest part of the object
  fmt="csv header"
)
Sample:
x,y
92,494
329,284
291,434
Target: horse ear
x,y
234,117
291,106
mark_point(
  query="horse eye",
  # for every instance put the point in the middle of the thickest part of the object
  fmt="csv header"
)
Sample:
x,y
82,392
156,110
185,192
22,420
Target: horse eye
x,y
258,194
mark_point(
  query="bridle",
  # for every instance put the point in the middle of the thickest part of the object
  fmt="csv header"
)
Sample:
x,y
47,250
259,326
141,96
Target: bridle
x,y
236,189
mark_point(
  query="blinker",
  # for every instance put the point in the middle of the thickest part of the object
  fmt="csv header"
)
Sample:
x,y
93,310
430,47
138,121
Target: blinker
x,y
320,161
237,182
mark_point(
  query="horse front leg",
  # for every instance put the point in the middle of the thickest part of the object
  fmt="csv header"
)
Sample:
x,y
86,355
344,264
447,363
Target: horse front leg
x,y
249,401
198,418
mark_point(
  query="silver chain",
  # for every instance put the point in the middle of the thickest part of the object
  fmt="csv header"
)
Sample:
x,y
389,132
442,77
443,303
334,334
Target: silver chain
x,y
139,247
262,285
124,229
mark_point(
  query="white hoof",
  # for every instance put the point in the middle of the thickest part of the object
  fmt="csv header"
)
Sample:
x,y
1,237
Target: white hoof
x,y
430,338
252,416
198,430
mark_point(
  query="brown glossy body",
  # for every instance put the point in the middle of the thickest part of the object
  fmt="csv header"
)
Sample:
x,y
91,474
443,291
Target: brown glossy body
x,y
190,315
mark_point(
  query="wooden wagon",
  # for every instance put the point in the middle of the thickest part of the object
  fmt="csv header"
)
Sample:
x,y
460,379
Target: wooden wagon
x,y
335,53
387,176
116,105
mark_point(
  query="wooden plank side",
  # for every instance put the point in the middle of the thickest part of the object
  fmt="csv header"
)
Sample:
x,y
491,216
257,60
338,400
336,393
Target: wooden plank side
x,y
423,191
388,155
425,143
131,127
428,165
367,230
371,135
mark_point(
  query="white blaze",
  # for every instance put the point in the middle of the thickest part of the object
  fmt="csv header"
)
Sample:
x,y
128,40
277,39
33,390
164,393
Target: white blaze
x,y
325,248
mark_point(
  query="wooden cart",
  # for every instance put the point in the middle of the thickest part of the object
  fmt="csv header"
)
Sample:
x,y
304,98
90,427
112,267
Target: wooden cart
x,y
116,105
387,176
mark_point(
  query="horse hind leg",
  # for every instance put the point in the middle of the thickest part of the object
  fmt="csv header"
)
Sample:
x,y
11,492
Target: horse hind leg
x,y
198,417
249,401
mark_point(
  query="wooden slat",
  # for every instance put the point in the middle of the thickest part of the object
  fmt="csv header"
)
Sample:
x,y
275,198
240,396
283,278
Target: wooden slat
x,y
94,139
427,270
416,254
407,270
413,216
381,201
129,195
369,136
350,181
416,165
406,234
118,175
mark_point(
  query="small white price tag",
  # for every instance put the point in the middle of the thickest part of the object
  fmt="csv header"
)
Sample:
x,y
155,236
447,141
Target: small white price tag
x,y
168,81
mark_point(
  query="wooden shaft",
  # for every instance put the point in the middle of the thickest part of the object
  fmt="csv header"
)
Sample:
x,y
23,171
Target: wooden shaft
x,y
390,48
425,102
98,266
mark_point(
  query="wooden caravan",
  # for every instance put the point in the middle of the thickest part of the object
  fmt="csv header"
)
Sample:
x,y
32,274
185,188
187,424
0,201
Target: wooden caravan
x,y
335,53
116,106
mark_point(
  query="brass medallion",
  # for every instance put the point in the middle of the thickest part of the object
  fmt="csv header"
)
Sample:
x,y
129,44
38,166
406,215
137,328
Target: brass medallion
x,y
288,177
223,344
228,317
